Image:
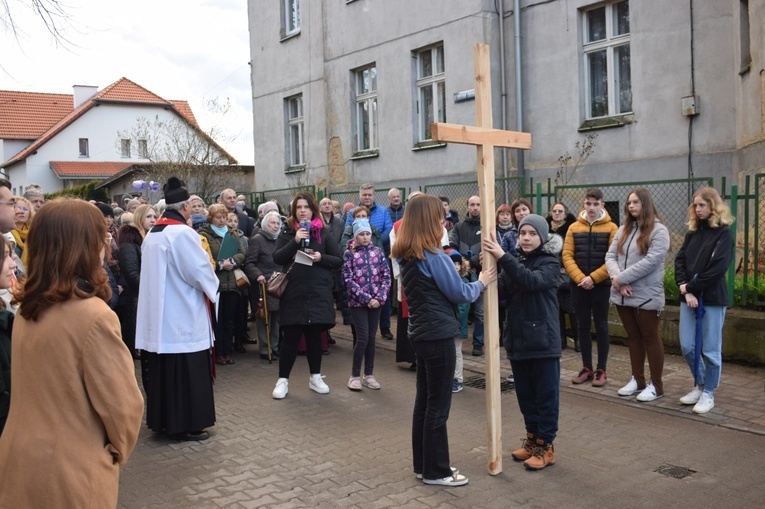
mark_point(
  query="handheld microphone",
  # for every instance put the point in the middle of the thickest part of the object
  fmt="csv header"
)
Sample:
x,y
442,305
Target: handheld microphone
x,y
305,225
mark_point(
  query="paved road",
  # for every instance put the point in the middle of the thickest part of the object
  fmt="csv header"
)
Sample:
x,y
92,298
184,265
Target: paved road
x,y
349,449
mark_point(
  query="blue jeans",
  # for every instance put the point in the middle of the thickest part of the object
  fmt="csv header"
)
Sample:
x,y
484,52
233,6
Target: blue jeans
x,y
537,387
430,442
592,303
711,345
478,322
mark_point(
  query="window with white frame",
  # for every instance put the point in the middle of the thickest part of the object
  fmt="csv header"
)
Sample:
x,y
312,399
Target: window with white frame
x,y
84,149
606,51
365,118
295,138
143,149
431,89
291,16
125,147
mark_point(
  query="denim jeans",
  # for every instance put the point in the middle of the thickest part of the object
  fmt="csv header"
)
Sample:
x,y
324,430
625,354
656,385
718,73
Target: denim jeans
x,y
365,321
430,442
478,322
593,303
537,387
711,345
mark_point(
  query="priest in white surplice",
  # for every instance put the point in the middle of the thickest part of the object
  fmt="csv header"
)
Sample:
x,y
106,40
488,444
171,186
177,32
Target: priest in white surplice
x,y
173,326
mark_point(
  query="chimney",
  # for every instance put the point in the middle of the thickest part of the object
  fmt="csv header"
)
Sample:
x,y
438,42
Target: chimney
x,y
82,93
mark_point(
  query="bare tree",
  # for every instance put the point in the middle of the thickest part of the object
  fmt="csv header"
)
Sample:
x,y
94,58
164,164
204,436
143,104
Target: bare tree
x,y
52,13
176,148
584,149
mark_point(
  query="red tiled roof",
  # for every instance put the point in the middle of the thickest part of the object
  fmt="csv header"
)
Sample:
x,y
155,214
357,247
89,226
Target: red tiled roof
x,y
83,169
27,115
121,91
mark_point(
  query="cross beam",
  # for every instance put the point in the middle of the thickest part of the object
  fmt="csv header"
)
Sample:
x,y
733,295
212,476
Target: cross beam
x,y
485,138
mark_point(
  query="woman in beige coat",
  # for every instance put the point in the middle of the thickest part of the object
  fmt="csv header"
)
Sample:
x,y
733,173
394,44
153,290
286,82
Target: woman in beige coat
x,y
75,405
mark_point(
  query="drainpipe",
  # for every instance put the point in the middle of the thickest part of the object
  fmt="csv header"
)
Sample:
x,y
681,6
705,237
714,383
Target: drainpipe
x,y
518,80
503,88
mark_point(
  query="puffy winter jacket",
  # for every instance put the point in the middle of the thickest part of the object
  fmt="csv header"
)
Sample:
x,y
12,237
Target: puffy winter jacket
x,y
643,272
585,248
366,274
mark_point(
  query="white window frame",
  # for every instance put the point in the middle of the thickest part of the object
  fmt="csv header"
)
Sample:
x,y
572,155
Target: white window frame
x,y
125,147
291,17
84,147
611,44
143,149
365,100
430,83
295,132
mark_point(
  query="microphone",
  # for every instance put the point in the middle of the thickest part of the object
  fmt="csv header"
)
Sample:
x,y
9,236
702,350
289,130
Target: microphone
x,y
305,225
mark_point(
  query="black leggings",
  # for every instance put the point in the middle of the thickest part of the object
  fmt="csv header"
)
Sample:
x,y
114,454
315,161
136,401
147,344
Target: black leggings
x,y
288,348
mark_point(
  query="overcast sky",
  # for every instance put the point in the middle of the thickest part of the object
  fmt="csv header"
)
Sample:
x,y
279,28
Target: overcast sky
x,y
194,50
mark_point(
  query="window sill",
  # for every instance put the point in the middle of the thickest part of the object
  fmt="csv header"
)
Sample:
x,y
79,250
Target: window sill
x,y
745,69
607,122
290,36
365,154
427,145
295,169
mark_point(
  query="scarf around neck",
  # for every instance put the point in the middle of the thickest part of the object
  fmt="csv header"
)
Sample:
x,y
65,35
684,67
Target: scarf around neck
x,y
316,225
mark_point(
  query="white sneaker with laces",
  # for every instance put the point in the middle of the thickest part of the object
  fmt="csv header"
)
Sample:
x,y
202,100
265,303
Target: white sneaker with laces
x,y
705,404
692,397
281,388
316,384
629,389
648,394
454,480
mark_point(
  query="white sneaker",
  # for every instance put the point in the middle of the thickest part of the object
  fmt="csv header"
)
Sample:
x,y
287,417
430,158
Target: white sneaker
x,y
705,404
454,480
648,394
692,397
316,384
281,388
629,389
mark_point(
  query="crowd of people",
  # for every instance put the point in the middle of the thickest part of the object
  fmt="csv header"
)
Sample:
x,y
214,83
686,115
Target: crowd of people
x,y
184,277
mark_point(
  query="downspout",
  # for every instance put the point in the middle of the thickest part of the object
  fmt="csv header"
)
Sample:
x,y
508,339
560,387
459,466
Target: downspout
x,y
518,81
690,117
503,89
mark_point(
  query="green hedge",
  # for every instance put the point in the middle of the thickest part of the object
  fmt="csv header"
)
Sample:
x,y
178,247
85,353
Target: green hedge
x,y
86,191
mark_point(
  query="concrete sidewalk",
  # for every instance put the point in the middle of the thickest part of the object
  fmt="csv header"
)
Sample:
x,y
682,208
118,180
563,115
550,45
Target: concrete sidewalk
x,y
352,449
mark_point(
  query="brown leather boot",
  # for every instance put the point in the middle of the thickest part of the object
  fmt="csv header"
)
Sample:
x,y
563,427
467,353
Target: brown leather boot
x,y
526,450
542,456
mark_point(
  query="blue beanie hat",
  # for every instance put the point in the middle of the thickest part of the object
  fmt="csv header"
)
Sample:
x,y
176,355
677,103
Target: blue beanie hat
x,y
360,226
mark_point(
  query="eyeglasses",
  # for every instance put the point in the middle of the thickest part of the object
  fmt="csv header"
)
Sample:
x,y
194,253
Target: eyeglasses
x,y
11,202
23,209
558,211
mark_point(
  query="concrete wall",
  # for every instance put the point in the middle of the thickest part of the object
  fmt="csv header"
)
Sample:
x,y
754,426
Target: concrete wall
x,y
337,37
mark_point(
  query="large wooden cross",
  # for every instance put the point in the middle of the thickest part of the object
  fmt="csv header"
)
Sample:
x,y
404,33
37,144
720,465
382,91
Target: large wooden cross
x,y
485,138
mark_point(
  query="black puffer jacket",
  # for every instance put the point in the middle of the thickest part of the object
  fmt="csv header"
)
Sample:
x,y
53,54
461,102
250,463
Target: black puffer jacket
x,y
308,297
532,311
706,253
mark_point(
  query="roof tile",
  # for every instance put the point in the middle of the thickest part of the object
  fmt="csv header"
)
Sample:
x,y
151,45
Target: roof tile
x,y
84,169
27,115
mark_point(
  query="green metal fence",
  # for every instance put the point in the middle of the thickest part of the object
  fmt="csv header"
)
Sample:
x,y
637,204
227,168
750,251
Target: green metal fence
x,y
670,196
746,278
458,193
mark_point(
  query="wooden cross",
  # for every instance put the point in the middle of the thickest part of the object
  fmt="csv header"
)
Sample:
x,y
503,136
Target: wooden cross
x,y
485,138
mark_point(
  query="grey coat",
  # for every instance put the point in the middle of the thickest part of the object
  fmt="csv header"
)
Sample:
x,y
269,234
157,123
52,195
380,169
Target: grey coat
x,y
643,272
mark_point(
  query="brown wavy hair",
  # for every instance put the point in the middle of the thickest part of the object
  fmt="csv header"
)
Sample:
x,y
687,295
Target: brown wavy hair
x,y
64,245
646,222
517,203
303,195
421,229
720,215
